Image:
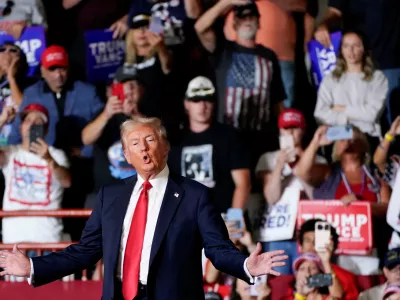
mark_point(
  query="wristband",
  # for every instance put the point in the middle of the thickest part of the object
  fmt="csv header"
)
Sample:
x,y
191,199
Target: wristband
x,y
389,137
297,296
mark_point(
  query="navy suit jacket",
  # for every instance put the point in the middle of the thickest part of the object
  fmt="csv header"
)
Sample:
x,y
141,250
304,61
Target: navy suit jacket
x,y
188,221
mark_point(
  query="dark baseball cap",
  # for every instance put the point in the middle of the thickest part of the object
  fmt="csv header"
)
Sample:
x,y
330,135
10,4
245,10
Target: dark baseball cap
x,y
242,11
127,73
140,20
392,258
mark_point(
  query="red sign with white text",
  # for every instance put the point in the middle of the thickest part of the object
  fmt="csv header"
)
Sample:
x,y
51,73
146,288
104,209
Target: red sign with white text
x,y
353,223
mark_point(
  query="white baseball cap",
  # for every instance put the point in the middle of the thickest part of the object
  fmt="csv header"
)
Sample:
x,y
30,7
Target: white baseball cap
x,y
200,88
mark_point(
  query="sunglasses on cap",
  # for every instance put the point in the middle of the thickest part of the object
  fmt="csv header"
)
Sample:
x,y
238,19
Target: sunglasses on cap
x,y
10,49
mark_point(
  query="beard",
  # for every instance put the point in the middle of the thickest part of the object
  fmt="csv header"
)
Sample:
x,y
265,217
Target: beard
x,y
247,34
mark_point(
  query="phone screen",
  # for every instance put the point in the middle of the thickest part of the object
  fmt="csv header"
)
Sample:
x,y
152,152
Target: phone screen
x,y
117,90
335,133
287,142
322,236
36,131
257,281
235,215
156,25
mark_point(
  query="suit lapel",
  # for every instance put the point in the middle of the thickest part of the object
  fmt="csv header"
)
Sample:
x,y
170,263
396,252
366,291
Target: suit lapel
x,y
171,201
120,205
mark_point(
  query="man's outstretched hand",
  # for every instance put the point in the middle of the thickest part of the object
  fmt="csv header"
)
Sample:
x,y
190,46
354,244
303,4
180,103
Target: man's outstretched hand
x,y
15,263
263,263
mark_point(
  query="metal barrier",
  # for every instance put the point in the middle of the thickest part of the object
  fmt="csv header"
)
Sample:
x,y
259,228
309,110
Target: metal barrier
x,y
40,247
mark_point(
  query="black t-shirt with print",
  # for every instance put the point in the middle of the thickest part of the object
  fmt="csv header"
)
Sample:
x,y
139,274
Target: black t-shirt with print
x,y
109,161
209,157
249,85
379,21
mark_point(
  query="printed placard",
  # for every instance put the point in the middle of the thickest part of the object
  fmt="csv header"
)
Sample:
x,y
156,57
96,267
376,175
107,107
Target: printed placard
x,y
103,55
353,223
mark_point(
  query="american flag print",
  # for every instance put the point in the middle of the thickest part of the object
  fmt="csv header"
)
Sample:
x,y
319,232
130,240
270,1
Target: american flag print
x,y
247,95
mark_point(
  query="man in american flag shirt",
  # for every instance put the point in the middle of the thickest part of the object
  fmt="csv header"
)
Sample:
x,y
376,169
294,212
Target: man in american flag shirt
x,y
248,75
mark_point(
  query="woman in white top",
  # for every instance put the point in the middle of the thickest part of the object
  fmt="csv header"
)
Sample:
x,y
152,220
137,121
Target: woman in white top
x,y
354,92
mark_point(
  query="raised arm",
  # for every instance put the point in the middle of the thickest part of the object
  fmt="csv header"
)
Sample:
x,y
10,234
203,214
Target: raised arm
x,y
67,4
56,265
92,132
306,169
205,23
332,16
381,152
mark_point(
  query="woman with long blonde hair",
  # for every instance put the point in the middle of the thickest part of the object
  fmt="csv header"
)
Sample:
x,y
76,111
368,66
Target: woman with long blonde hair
x,y
355,91
148,56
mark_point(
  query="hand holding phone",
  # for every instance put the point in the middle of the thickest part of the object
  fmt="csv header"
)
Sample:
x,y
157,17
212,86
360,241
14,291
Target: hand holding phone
x,y
117,90
322,236
335,133
156,26
234,216
319,280
286,142
36,132
259,280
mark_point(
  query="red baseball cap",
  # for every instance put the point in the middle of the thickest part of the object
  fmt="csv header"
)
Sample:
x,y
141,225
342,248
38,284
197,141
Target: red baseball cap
x,y
54,56
44,113
307,257
291,118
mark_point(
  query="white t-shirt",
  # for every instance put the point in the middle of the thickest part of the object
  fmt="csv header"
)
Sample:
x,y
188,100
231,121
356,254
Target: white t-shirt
x,y
290,184
267,162
30,185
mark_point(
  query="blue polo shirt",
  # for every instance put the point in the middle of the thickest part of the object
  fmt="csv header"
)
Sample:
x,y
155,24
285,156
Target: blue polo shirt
x,y
81,106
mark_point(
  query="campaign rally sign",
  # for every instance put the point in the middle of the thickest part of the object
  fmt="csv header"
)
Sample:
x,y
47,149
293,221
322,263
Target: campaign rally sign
x,y
353,223
32,42
280,219
323,60
103,55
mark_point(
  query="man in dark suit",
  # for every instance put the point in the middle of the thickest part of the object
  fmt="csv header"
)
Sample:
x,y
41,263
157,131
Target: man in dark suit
x,y
150,231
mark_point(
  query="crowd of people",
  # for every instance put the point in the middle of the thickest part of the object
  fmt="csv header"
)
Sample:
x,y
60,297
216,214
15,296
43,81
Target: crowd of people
x,y
229,81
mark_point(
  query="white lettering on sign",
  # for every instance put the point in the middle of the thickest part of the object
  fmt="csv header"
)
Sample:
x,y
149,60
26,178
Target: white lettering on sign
x,y
348,226
108,52
29,47
326,60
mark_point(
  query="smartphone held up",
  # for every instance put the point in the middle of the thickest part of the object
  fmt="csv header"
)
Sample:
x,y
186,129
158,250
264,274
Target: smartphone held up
x,y
322,236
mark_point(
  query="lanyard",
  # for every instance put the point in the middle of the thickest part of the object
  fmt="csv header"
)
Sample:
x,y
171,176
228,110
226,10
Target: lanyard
x,y
347,185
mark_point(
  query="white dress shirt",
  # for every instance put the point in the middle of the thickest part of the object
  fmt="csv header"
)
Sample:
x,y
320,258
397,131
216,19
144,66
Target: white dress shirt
x,y
156,196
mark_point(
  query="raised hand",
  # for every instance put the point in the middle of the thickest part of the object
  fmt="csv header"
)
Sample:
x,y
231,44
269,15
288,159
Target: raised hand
x,y
15,263
347,199
395,128
40,148
120,28
113,107
322,35
263,263
7,115
319,137
156,40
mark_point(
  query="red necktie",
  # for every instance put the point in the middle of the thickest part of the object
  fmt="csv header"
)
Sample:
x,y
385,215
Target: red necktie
x,y
134,245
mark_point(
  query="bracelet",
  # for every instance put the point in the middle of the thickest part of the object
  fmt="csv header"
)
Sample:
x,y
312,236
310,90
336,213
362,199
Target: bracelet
x,y
389,137
382,147
297,296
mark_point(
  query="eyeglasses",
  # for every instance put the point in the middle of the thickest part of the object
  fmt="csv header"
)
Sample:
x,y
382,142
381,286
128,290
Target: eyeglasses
x,y
9,49
7,10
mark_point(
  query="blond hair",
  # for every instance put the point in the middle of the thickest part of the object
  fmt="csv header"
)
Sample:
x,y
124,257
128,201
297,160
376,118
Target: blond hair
x,y
131,51
155,123
360,136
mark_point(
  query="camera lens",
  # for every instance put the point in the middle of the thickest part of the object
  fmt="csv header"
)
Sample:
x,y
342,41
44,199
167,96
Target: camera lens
x,y
320,227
